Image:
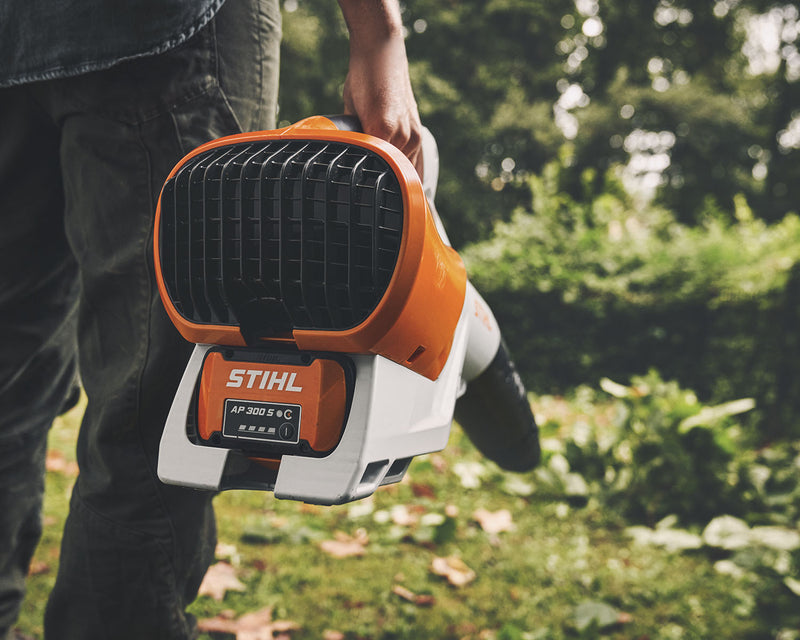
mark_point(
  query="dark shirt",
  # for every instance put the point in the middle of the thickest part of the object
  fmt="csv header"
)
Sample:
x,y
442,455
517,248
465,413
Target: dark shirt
x,y
46,39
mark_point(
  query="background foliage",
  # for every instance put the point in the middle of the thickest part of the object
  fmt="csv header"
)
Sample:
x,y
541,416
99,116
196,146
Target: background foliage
x,y
696,99
621,178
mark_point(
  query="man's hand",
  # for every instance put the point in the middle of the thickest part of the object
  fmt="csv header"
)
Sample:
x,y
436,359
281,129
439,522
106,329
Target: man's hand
x,y
378,87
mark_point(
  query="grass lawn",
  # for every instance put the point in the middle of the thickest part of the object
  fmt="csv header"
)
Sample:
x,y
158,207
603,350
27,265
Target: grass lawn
x,y
533,566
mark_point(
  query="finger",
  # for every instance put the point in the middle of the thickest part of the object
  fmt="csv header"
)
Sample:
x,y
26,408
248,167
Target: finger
x,y
409,141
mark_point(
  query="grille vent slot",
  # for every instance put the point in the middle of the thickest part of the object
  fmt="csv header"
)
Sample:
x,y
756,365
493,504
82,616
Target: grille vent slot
x,y
279,235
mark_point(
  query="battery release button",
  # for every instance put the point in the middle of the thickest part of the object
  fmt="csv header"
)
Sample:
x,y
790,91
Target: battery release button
x,y
286,431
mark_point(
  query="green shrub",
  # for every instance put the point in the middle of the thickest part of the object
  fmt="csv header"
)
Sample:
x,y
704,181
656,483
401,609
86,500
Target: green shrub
x,y
600,288
655,455
658,451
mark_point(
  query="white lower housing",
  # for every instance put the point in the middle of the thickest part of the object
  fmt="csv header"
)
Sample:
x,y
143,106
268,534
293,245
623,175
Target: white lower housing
x,y
395,414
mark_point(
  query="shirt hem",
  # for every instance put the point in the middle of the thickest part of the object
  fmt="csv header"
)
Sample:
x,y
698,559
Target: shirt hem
x,y
56,73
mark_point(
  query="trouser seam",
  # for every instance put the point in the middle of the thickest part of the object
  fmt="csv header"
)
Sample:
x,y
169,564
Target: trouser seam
x,y
147,320
94,518
215,65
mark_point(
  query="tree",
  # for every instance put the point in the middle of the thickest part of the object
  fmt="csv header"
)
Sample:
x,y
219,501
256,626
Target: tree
x,y
684,96
714,81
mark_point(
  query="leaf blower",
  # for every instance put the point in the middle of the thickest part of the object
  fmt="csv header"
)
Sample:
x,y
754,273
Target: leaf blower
x,y
334,326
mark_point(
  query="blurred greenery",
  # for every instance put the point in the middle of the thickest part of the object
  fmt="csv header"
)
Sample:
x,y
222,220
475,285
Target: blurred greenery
x,y
629,173
696,100
602,287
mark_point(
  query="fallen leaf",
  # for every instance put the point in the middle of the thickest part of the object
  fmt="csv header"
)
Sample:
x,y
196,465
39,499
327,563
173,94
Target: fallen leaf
x,y
425,600
345,546
404,593
340,549
494,521
228,553
470,474
432,520
38,567
421,600
361,508
516,486
454,569
257,625
329,634
423,490
259,564
402,517
57,463
309,509
465,629
219,578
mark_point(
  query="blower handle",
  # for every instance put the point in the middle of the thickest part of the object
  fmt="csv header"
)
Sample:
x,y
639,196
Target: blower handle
x,y
430,156
346,122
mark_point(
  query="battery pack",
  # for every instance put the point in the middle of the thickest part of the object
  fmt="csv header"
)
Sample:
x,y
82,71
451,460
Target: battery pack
x,y
272,403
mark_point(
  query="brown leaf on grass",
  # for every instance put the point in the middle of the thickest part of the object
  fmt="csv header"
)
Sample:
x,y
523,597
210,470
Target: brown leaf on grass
x,y
465,630
257,625
454,569
259,564
330,634
494,521
219,578
38,567
309,509
421,600
624,618
346,546
57,463
423,490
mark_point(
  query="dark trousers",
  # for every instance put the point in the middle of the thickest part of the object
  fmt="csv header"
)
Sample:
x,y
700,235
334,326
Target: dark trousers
x,y
82,161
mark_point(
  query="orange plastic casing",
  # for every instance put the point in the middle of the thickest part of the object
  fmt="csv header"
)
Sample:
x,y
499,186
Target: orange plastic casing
x,y
415,321
323,398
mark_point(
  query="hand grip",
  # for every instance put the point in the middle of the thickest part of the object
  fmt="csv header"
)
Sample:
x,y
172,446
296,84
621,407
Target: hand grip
x,y
346,123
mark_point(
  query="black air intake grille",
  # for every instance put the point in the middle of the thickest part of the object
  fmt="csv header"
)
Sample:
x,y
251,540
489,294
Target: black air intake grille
x,y
280,235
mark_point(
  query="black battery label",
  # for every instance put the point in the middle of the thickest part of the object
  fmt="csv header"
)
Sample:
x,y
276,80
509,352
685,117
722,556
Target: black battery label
x,y
265,421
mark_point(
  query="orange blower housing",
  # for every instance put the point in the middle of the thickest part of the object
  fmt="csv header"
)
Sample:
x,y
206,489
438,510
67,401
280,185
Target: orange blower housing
x,y
290,249
309,237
